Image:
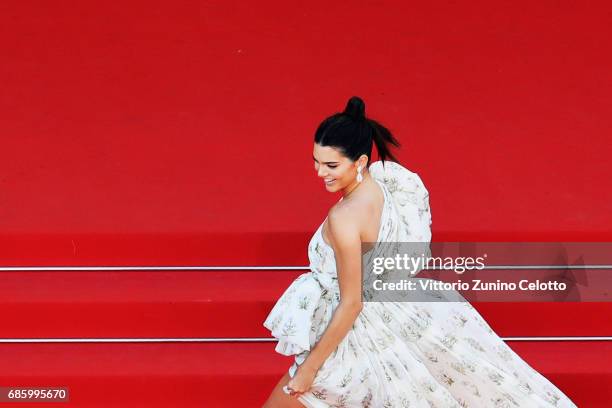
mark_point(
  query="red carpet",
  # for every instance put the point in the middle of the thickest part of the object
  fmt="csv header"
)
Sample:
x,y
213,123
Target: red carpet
x,y
180,133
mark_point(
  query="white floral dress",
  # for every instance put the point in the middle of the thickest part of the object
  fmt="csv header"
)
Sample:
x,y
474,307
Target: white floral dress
x,y
402,354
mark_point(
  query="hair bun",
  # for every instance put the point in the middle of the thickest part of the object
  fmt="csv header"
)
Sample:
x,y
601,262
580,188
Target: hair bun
x,y
355,108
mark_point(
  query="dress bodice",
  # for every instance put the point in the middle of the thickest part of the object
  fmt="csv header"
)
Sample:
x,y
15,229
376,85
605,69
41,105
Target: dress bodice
x,y
405,217
321,254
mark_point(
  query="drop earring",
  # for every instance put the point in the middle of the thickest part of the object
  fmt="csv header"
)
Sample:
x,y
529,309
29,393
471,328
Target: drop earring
x,y
359,176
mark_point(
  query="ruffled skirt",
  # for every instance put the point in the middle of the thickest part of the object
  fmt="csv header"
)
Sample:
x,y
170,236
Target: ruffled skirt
x,y
405,354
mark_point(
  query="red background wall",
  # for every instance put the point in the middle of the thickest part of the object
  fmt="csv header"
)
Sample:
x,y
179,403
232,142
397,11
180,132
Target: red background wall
x,y
178,132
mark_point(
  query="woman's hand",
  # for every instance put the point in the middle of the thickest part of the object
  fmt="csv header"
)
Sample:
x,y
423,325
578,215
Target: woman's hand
x,y
301,381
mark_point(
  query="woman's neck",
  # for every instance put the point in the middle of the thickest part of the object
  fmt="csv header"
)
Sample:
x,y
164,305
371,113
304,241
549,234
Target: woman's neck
x,y
355,185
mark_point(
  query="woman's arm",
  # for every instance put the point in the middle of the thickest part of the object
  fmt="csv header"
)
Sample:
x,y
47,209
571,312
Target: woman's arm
x,y
346,243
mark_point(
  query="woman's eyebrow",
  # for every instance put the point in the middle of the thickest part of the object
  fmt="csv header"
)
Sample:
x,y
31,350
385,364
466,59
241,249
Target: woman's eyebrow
x,y
332,162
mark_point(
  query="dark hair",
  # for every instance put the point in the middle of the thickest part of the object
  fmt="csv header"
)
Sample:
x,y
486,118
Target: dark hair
x,y
354,134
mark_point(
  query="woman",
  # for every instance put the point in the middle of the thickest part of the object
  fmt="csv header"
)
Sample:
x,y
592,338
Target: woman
x,y
354,353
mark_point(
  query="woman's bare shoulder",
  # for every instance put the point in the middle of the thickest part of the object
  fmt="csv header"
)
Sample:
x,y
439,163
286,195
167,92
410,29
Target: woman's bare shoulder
x,y
356,207
348,215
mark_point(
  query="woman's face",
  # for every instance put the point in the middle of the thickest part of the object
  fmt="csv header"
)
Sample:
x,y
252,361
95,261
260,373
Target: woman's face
x,y
336,170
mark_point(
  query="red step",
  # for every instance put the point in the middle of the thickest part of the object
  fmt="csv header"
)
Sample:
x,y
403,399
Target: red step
x,y
267,247
209,303
228,375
